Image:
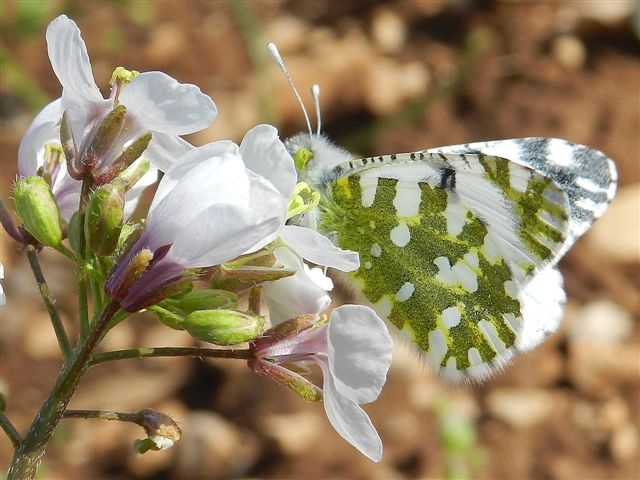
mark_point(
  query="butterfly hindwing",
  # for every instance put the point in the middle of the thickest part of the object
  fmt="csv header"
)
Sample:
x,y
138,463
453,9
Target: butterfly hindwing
x,y
447,245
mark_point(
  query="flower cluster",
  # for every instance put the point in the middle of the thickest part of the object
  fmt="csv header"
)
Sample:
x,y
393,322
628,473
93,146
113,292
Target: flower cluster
x,y
217,254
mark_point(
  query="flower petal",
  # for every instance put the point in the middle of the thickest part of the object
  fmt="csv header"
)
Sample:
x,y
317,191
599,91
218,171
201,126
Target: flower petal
x,y
194,158
161,103
3,298
294,295
44,128
164,149
318,249
349,420
264,153
70,60
359,352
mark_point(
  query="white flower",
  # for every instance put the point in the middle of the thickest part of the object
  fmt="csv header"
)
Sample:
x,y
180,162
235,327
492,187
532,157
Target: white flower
x,y
304,292
354,352
3,298
154,103
207,210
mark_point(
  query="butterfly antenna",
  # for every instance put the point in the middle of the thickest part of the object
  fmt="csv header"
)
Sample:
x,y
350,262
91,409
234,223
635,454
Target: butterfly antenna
x,y
315,93
275,54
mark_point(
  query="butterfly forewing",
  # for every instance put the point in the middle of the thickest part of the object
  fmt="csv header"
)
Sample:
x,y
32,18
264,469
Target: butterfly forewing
x,y
448,244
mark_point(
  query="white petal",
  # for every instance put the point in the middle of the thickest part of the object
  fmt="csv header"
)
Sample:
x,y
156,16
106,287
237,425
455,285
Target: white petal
x,y
350,421
161,103
44,128
70,61
294,295
164,149
184,164
359,352
264,153
318,249
133,195
226,230
220,180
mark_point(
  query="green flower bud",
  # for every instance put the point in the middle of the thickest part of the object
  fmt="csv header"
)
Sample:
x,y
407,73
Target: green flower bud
x,y
104,218
38,210
224,327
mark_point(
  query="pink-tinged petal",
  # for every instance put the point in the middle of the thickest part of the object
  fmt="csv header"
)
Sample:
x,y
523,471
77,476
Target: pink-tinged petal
x,y
359,352
294,295
70,60
44,128
264,154
349,420
133,195
318,249
225,231
161,103
196,158
214,181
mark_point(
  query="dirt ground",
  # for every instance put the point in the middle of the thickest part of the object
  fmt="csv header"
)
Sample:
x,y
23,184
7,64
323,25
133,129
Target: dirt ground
x,y
395,76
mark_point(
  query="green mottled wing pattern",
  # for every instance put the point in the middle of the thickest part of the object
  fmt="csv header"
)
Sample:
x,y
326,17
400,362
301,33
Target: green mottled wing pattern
x,y
447,244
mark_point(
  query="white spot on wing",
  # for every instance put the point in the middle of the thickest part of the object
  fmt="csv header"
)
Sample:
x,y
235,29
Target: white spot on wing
x,y
451,317
491,334
445,275
368,186
400,235
560,153
518,177
407,199
455,214
376,250
405,292
466,277
474,357
437,345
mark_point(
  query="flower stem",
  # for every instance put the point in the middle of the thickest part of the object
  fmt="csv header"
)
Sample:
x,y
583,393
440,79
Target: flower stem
x,y
28,455
136,417
81,266
243,354
49,301
10,430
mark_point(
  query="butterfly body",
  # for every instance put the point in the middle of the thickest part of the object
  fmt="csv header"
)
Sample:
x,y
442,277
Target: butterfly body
x,y
458,245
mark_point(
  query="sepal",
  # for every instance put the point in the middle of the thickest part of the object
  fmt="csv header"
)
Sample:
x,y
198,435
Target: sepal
x,y
38,210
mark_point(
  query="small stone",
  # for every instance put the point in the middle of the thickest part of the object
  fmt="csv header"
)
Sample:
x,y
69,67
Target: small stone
x,y
602,321
211,447
388,84
295,433
388,30
616,236
521,408
624,442
569,51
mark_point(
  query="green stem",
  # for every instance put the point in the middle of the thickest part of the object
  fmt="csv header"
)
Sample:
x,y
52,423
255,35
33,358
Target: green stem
x,y
81,273
10,430
243,354
28,455
49,301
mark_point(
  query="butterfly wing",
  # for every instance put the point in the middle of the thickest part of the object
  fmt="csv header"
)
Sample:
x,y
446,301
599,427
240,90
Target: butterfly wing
x,y
586,175
449,247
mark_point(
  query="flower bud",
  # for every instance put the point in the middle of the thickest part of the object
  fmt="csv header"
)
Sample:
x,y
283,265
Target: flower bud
x,y
295,382
173,311
38,210
162,431
104,218
224,327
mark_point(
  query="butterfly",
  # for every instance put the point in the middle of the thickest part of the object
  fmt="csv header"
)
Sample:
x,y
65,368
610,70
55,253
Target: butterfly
x,y
459,245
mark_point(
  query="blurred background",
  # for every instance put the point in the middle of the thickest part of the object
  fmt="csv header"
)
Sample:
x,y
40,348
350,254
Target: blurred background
x,y
395,76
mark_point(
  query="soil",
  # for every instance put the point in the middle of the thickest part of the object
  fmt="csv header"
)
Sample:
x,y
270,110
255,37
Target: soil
x,y
394,76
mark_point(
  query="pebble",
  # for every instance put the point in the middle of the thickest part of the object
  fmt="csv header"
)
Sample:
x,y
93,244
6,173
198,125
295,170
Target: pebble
x,y
622,223
388,30
295,433
389,84
624,442
601,321
569,51
522,408
211,447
